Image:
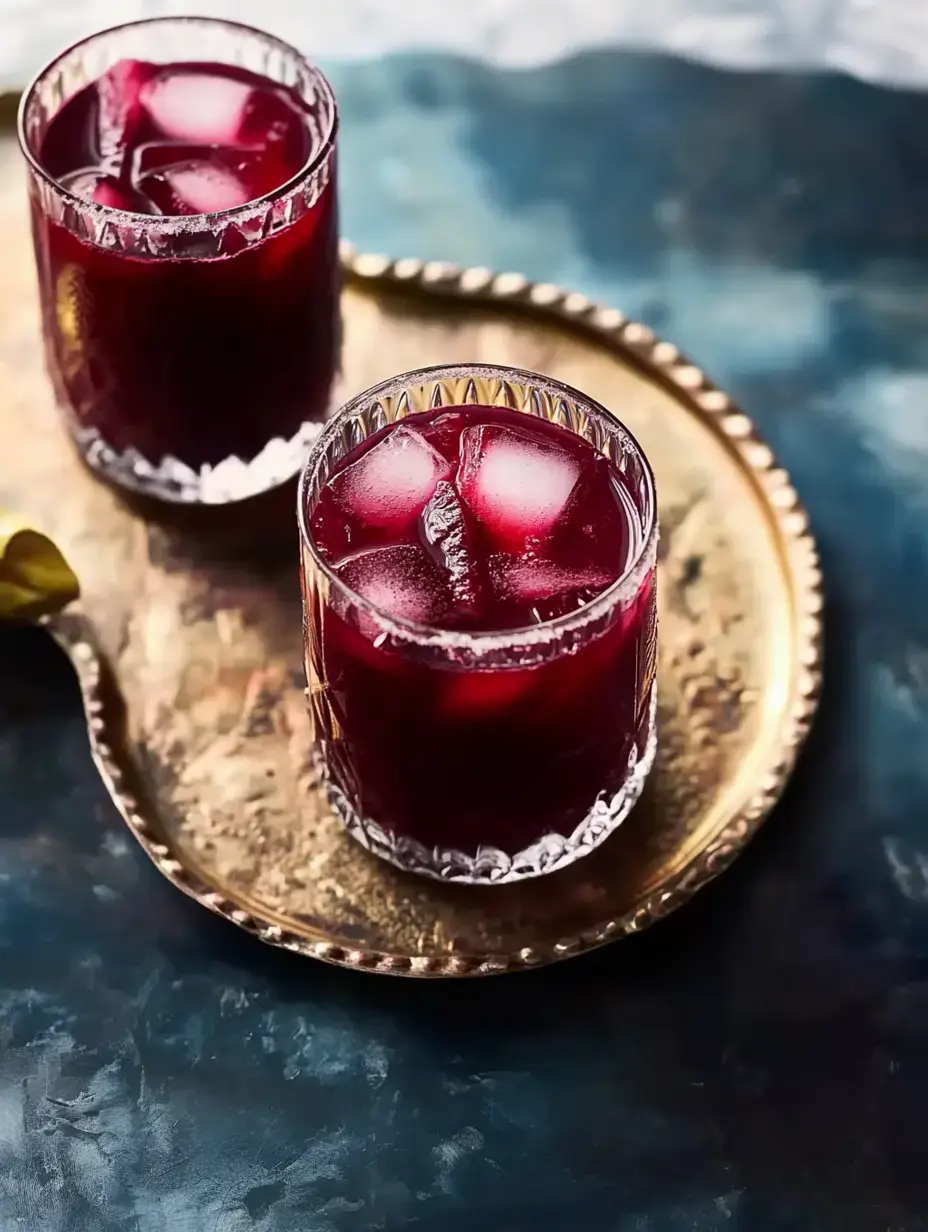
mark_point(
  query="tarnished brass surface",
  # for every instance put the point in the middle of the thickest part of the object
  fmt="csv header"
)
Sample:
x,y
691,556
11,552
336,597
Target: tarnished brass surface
x,y
187,641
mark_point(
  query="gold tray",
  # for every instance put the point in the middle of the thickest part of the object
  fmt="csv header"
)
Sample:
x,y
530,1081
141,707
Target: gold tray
x,y
189,658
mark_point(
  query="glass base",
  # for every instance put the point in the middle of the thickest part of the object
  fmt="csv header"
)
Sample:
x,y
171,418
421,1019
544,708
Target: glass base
x,y
171,480
490,866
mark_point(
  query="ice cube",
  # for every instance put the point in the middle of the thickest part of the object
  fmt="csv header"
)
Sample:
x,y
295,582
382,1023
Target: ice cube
x,y
544,589
515,485
120,111
400,580
445,530
531,579
104,189
597,527
444,433
197,106
253,173
197,186
392,482
154,156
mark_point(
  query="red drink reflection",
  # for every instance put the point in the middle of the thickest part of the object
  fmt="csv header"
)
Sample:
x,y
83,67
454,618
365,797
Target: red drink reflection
x,y
186,235
473,523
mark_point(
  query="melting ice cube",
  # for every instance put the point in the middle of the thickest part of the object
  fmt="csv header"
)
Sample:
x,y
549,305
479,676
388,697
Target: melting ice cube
x,y
445,529
400,580
198,107
514,484
391,483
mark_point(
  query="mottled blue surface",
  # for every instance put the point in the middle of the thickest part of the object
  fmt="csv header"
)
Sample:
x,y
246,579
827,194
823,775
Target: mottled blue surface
x,y
757,1064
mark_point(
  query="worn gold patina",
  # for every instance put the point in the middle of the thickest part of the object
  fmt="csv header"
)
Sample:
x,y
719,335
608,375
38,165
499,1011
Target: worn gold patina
x,y
189,653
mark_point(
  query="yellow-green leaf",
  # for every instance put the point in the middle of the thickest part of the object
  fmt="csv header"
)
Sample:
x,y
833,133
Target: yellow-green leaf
x,y
35,579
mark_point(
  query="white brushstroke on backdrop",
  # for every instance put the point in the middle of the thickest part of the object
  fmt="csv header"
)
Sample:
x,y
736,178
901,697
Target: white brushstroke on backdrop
x,y
880,40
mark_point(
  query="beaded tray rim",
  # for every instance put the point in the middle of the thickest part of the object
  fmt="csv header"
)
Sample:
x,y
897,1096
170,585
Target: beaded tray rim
x,y
661,361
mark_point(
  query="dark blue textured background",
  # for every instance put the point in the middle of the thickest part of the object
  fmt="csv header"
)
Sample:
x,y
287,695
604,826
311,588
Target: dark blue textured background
x,y
757,1064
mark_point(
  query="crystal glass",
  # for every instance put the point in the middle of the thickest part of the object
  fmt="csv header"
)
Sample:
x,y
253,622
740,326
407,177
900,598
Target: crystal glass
x,y
558,735
192,357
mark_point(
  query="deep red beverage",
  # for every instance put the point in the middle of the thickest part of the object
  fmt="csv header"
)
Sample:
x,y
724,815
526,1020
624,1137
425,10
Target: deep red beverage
x,y
481,624
185,227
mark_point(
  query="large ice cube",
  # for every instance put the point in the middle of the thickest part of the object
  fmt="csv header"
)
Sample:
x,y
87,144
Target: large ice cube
x,y
445,530
596,529
400,580
544,589
255,172
391,483
532,579
516,485
196,186
197,106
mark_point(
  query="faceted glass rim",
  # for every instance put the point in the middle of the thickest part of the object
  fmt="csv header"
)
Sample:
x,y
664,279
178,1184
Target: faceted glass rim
x,y
131,217
621,591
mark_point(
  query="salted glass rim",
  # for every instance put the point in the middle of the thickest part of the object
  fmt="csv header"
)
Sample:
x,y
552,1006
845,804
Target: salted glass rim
x,y
622,590
187,222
